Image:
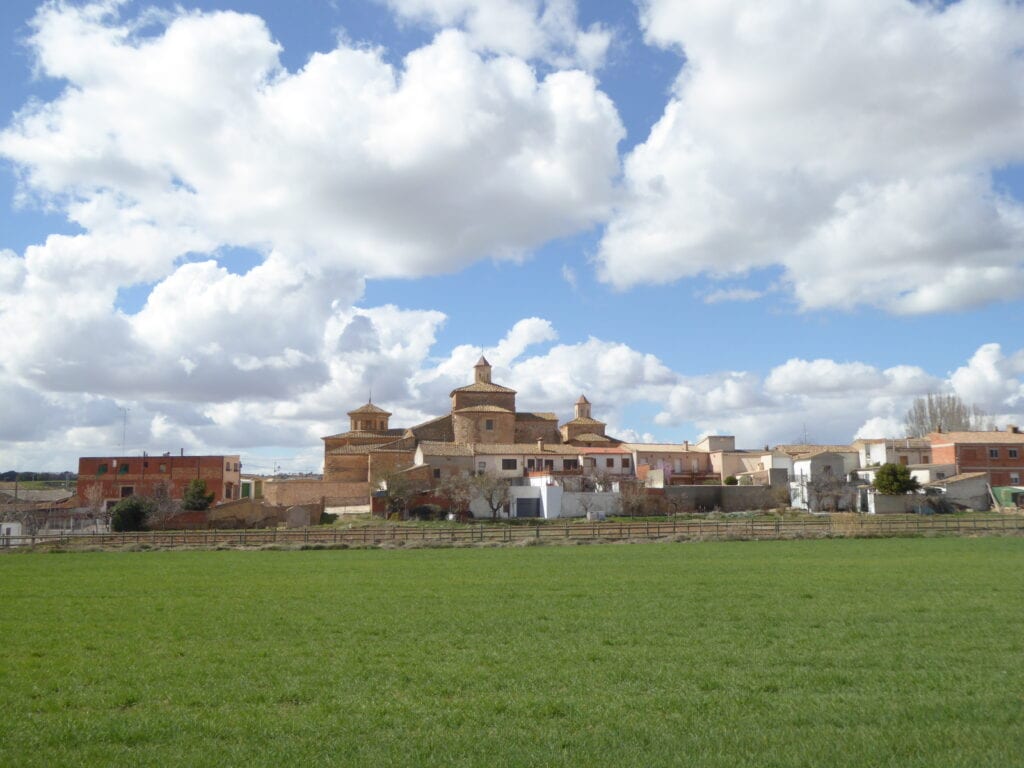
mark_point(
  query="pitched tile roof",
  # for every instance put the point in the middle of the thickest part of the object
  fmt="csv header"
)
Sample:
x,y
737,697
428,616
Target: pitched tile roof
x,y
483,409
803,449
585,421
528,449
977,438
535,416
439,429
479,386
663,448
433,448
384,434
592,437
958,478
895,442
370,408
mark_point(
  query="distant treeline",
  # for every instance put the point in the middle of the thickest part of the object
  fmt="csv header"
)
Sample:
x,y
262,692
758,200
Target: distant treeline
x,y
11,476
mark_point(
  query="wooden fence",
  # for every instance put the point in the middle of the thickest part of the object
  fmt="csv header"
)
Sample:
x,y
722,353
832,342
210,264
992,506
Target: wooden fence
x,y
542,532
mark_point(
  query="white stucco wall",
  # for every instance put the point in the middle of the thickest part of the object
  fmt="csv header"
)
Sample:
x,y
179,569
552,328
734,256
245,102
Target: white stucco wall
x,y
599,502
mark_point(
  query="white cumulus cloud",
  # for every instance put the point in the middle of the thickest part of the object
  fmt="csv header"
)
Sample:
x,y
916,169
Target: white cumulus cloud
x,y
852,143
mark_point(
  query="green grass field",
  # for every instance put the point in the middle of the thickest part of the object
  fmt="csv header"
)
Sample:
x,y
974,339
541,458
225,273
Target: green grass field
x,y
899,652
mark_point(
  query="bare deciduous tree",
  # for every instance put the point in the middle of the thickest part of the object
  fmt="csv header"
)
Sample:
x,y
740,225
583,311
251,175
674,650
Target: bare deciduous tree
x,y
399,489
458,490
829,492
164,507
493,489
934,412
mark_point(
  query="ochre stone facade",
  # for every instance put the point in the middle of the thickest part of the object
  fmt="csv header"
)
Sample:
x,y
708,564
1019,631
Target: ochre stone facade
x,y
482,414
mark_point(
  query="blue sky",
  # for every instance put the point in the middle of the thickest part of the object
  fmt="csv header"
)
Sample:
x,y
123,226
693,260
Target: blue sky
x,y
235,219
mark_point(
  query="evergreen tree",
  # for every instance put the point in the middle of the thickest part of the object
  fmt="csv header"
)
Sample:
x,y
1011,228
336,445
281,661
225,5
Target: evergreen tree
x,y
894,480
196,496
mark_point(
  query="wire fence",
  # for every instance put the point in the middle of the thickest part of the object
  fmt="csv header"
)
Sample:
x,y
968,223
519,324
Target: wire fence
x,y
479,533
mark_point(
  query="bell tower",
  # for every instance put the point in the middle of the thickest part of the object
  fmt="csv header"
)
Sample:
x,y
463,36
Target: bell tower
x,y
482,371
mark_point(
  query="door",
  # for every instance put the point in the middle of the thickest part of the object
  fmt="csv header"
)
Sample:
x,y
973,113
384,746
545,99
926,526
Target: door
x,y
527,507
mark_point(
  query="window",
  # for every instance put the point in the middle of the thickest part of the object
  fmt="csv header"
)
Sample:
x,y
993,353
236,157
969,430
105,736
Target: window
x,y
163,467
1014,453
101,469
924,458
571,464
481,466
625,463
904,460
531,464
993,453
549,464
489,424
126,491
437,474
1015,478
227,466
124,469
609,463
509,464
940,475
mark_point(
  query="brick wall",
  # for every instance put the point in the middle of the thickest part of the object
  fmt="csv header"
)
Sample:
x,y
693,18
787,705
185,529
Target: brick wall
x,y
288,493
346,468
115,476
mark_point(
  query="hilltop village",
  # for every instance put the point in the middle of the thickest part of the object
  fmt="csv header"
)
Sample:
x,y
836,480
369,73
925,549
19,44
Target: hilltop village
x,y
538,468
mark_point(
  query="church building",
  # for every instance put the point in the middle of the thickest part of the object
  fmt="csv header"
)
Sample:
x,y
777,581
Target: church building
x,y
483,423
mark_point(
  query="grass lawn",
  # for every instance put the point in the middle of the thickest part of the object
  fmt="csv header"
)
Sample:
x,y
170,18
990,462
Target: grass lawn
x,y
895,652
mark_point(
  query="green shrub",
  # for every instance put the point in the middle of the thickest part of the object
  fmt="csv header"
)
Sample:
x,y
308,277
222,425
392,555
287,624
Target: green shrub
x,y
130,514
731,480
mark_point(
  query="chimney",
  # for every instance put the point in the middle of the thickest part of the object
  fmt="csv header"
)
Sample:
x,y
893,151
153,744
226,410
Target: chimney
x,y
686,445
540,443
1013,429
182,451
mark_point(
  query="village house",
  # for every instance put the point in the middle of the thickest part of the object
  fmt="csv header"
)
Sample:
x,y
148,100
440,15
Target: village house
x,y
105,480
998,454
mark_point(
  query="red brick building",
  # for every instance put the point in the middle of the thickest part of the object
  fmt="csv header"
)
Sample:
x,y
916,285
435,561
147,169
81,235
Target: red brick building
x,y
1000,455
118,477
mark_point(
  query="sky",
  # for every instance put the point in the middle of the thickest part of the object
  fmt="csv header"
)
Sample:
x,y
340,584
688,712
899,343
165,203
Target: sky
x,y
226,223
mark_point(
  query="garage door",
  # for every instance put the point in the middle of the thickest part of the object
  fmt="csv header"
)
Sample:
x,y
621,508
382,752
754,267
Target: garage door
x,y
527,507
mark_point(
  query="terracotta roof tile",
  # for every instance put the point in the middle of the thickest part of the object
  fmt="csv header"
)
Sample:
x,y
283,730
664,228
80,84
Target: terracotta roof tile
x,y
663,448
479,386
584,421
384,434
370,408
535,416
977,438
592,437
958,478
432,448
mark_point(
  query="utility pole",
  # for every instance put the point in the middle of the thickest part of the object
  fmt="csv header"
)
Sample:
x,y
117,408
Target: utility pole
x,y
124,429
